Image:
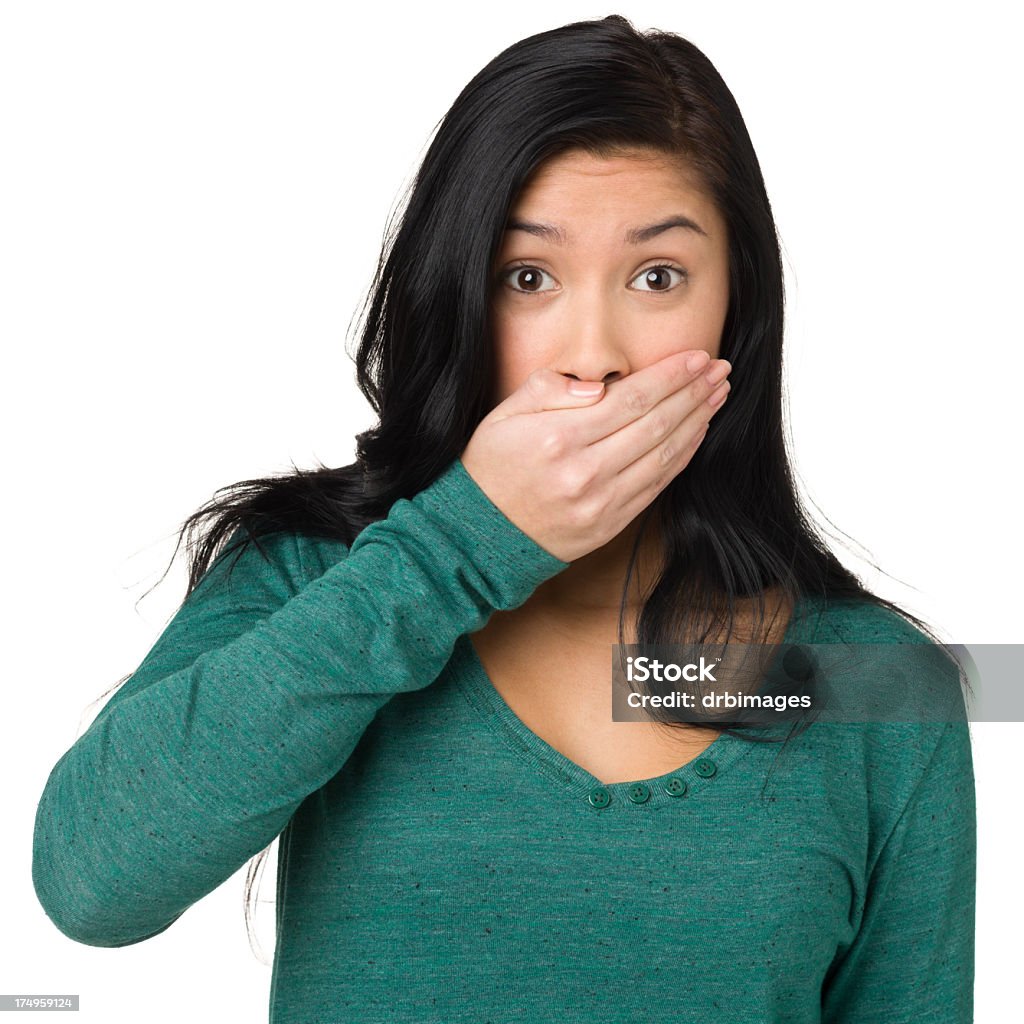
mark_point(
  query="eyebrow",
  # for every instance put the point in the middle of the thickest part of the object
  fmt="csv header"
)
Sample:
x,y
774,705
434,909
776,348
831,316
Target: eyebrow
x,y
634,236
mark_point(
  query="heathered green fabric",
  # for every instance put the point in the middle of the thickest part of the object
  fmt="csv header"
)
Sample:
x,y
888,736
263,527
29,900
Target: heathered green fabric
x,y
440,862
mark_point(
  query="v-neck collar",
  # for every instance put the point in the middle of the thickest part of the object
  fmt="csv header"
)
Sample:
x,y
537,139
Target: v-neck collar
x,y
688,779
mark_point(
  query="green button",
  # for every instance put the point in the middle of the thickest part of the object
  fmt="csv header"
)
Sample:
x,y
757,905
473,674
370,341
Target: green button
x,y
675,786
639,793
705,768
600,798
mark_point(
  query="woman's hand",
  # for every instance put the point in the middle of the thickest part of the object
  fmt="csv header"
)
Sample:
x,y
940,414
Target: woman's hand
x,y
573,471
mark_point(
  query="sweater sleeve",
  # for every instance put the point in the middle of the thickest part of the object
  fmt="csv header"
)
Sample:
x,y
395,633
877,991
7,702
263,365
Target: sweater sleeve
x,y
255,696
913,957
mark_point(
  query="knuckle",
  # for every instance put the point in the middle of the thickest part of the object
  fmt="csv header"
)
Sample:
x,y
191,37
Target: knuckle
x,y
577,479
667,453
679,377
552,444
660,426
535,383
588,513
636,399
661,481
699,389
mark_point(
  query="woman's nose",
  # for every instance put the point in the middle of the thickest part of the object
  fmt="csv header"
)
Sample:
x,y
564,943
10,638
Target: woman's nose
x,y
606,378
592,346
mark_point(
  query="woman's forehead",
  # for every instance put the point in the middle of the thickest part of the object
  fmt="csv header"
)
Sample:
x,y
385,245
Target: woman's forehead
x,y
634,193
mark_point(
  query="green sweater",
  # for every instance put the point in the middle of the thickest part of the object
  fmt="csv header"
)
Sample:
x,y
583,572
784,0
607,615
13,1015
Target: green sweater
x,y
440,862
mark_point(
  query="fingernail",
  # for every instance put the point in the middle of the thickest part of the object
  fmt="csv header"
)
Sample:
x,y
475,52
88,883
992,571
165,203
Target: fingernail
x,y
720,372
696,361
585,389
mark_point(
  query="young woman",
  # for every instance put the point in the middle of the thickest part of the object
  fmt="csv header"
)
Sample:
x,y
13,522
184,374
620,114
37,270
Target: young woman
x,y
401,667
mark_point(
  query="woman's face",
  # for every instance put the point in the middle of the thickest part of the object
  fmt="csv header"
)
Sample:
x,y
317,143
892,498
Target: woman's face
x,y
592,278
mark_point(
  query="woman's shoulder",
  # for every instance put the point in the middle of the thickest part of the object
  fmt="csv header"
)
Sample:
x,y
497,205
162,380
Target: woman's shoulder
x,y
858,620
902,690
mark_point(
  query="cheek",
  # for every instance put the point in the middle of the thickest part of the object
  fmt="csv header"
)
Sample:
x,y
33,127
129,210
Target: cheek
x,y
517,353
691,329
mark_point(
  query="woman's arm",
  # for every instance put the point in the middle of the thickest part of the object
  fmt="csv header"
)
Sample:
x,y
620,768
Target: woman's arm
x,y
254,697
912,960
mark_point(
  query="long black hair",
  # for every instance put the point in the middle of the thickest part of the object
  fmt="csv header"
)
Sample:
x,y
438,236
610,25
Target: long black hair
x,y
732,522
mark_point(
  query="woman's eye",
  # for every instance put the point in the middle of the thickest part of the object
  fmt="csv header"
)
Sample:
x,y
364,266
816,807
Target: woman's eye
x,y
529,280
525,279
657,279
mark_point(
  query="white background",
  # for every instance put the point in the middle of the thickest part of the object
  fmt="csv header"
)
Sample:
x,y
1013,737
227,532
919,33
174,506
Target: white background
x,y
192,200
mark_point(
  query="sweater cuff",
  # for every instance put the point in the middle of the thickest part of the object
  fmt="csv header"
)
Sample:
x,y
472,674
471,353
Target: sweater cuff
x,y
499,549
